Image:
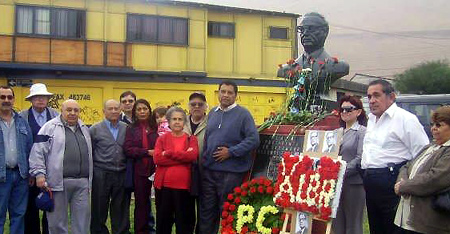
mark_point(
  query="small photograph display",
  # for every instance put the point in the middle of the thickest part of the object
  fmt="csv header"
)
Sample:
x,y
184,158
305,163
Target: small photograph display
x,y
313,140
319,143
303,223
330,142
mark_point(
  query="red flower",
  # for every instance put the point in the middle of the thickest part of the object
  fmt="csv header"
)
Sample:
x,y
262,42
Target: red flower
x,y
303,195
224,223
224,214
269,190
244,193
245,185
237,200
261,189
232,207
267,183
237,190
230,197
312,194
327,187
226,205
230,219
252,190
244,229
275,230
261,180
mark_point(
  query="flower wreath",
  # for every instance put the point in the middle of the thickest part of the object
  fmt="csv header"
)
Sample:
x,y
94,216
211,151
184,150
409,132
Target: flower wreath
x,y
302,187
250,209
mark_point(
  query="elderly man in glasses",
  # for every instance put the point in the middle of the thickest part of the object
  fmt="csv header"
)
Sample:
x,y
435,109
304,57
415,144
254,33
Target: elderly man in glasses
x,y
37,115
197,126
15,145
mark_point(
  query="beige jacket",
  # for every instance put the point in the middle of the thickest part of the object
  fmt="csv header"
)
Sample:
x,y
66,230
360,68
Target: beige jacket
x,y
199,133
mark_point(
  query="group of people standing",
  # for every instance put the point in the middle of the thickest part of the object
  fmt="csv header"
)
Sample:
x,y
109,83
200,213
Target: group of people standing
x,y
392,169
193,161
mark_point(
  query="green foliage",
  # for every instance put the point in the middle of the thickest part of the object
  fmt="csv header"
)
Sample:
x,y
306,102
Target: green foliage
x,y
427,78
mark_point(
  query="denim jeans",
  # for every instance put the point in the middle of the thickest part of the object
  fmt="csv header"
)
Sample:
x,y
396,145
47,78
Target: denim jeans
x,y
14,198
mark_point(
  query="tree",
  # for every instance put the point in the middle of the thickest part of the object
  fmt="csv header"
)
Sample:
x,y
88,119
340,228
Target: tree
x,y
431,77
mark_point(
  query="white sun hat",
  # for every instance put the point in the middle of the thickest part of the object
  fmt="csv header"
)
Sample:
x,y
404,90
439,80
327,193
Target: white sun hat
x,y
38,89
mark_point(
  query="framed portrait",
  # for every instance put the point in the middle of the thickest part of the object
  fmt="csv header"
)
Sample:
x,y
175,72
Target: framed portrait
x,y
331,142
303,223
312,142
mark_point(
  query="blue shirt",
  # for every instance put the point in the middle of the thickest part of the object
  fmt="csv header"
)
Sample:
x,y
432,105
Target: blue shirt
x,y
41,118
9,138
113,129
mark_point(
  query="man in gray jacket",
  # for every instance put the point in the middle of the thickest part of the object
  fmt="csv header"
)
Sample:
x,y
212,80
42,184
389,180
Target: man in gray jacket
x,y
61,161
108,190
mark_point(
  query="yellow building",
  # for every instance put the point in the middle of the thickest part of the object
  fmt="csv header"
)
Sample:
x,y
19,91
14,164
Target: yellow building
x,y
93,50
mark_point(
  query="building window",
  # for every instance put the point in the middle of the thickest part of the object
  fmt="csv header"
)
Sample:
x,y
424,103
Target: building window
x,y
278,33
218,29
157,29
53,22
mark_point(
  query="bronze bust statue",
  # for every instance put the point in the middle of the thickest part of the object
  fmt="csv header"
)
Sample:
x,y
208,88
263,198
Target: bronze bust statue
x,y
313,31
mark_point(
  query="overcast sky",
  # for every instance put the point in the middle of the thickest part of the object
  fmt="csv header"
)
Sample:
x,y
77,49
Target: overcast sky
x,y
366,32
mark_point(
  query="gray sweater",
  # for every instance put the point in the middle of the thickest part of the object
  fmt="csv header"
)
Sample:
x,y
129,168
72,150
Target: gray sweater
x,y
107,152
76,154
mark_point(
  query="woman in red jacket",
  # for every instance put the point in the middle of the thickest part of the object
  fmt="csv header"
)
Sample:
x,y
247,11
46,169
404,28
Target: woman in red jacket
x,y
174,154
139,145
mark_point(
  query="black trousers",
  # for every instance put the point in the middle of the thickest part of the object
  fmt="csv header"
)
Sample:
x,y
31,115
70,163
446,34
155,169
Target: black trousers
x,y
109,194
32,220
216,185
381,200
174,206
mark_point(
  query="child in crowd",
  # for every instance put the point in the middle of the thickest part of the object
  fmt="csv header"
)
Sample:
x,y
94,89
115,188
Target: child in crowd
x,y
160,116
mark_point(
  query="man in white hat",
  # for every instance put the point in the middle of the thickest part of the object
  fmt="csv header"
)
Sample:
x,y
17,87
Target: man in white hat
x,y
36,116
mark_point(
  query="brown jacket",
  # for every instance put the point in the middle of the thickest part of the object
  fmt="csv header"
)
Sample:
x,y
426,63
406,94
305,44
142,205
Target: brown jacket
x,y
433,177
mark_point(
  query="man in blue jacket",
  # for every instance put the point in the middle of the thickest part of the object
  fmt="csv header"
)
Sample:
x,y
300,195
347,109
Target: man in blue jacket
x,y
230,137
15,145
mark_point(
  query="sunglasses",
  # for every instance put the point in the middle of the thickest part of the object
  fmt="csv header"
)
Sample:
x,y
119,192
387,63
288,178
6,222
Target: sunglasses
x,y
348,109
9,97
198,104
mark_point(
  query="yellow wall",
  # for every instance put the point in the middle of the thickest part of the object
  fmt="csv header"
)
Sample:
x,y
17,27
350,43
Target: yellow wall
x,y
260,101
250,54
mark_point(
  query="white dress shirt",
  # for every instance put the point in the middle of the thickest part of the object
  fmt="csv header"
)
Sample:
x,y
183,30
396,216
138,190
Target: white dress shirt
x,y
397,136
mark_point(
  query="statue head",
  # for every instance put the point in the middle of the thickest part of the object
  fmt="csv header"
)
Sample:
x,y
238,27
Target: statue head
x,y
313,31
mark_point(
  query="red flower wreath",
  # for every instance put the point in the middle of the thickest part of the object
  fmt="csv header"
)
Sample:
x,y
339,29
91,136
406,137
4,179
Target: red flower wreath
x,y
257,193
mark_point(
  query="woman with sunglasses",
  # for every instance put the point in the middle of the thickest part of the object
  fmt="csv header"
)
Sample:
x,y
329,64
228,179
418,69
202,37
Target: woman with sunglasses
x,y
424,177
349,218
140,140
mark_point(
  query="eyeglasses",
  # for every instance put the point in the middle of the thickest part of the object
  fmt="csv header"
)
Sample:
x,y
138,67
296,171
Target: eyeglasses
x,y
9,97
348,109
197,104
303,28
127,101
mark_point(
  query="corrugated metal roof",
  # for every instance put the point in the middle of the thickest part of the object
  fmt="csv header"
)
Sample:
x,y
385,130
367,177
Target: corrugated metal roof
x,y
222,8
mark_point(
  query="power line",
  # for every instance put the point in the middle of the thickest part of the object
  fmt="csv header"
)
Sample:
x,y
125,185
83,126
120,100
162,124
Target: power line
x,y
389,34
